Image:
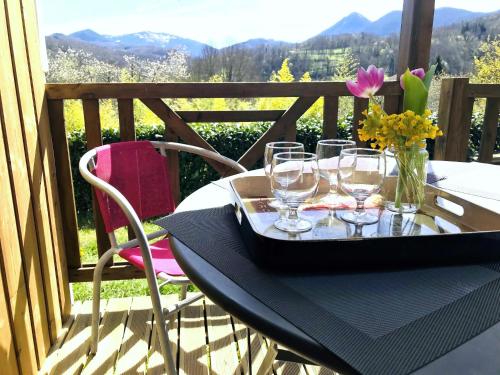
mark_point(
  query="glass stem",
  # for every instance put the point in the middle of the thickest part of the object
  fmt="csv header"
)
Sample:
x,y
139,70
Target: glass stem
x,y
293,216
360,206
334,196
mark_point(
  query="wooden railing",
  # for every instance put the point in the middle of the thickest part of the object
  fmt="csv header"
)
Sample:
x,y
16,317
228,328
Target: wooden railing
x,y
177,128
455,115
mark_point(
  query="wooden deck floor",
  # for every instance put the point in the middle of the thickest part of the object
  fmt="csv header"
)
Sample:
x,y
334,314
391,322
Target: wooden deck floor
x,y
210,342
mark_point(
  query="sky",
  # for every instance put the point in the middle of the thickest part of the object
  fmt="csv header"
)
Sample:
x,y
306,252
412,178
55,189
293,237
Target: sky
x,y
220,23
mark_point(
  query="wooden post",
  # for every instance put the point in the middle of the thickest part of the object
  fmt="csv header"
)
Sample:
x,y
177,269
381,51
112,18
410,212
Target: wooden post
x,y
360,105
291,131
330,117
416,34
94,139
127,132
489,135
455,112
126,119
391,104
173,165
66,195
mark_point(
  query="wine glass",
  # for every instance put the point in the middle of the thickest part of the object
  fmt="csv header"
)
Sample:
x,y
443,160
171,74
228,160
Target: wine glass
x,y
361,173
271,149
328,151
294,178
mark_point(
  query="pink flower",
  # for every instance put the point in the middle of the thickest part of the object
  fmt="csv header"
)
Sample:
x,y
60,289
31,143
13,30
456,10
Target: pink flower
x,y
420,73
369,81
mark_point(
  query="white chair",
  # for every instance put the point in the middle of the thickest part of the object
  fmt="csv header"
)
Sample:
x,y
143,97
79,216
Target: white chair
x,y
131,184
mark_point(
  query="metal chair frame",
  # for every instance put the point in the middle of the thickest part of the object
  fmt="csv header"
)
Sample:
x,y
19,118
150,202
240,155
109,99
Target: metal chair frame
x,y
86,165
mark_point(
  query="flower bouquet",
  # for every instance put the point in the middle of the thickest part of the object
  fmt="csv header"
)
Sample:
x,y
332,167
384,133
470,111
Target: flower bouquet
x,y
403,134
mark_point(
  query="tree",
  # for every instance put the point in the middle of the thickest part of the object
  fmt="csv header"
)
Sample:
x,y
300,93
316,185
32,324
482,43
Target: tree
x,y
441,66
487,64
73,66
284,74
346,66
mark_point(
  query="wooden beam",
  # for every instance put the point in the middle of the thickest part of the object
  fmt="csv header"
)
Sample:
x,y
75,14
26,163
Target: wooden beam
x,y
64,183
254,153
204,90
119,271
330,117
230,116
11,266
183,130
490,129
46,151
39,198
18,120
455,112
483,90
7,346
29,129
415,36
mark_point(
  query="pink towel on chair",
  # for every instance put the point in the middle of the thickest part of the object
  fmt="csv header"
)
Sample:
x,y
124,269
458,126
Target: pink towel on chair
x,y
140,173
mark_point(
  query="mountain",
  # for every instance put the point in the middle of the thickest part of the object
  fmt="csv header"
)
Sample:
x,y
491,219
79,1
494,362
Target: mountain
x,y
352,24
386,25
391,22
448,16
153,45
87,36
259,42
145,44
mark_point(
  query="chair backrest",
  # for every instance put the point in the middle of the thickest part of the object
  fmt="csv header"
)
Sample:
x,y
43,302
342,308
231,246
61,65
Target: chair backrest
x,y
140,173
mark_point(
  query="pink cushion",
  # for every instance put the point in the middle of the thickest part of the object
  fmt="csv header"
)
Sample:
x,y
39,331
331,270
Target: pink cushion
x,y
163,259
140,173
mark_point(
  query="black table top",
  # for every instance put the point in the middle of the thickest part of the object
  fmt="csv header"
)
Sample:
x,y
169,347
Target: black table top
x,y
476,356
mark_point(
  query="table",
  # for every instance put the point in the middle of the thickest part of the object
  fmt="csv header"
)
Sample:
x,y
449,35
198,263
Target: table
x,y
477,356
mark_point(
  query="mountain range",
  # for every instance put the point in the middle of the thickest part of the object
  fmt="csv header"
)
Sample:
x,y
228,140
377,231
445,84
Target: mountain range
x,y
153,44
140,43
391,22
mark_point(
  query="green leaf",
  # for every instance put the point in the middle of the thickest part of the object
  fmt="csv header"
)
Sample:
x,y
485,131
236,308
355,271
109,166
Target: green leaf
x,y
428,76
415,95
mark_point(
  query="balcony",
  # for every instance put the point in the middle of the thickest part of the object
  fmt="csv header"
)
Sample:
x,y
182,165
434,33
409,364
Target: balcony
x,y
43,329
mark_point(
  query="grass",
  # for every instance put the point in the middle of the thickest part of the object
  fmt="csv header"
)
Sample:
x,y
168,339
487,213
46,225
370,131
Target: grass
x,y
111,289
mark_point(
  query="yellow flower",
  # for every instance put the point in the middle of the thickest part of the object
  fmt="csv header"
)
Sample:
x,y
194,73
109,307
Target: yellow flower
x,y
397,130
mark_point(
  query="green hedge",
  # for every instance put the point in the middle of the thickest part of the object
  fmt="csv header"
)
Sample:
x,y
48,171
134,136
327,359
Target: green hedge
x,y
231,140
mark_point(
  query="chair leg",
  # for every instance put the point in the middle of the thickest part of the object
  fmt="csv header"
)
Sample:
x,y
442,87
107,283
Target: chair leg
x,y
162,330
96,295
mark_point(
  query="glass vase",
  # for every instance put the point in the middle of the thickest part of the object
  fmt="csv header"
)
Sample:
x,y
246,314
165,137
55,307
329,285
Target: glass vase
x,y
411,163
